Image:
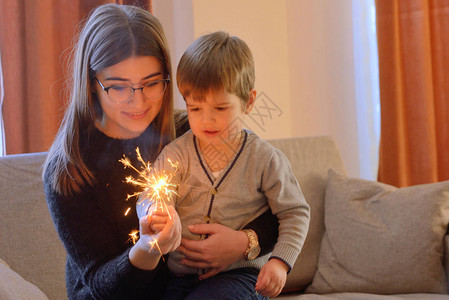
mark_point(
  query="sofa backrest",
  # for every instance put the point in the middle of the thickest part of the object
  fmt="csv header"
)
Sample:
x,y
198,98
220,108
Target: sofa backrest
x,y
29,242
310,158
31,246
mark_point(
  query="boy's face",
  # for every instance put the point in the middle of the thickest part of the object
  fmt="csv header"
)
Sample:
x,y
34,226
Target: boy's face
x,y
217,119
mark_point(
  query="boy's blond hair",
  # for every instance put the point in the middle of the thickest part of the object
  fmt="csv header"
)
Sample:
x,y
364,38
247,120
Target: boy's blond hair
x,y
216,61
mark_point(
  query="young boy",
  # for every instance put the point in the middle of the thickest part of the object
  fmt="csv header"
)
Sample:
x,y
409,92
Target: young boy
x,y
228,175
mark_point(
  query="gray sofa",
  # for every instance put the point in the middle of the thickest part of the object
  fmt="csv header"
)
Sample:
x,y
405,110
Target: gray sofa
x,y
341,259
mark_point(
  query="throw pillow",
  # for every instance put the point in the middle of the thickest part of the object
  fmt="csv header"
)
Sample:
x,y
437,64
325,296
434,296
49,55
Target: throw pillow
x,y
14,287
381,239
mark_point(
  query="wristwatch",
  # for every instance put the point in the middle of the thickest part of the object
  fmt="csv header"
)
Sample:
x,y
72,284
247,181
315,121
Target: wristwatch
x,y
253,247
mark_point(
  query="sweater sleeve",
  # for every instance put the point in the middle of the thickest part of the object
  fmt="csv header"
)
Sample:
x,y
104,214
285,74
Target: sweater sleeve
x,y
97,265
288,204
266,226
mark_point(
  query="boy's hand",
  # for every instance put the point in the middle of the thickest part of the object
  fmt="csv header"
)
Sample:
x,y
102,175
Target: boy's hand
x,y
272,278
157,219
158,225
142,255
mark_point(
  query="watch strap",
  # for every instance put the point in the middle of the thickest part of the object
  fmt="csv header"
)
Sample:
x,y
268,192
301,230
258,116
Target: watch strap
x,y
253,242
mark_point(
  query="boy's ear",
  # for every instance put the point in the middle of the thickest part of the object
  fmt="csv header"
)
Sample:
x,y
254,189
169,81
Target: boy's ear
x,y
250,104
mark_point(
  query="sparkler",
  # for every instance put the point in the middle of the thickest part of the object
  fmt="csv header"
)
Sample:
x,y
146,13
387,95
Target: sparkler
x,y
158,185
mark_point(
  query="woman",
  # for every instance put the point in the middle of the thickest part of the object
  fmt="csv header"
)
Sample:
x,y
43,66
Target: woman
x,y
120,99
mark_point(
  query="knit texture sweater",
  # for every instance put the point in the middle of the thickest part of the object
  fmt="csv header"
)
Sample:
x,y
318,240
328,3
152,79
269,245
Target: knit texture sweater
x,y
258,177
94,229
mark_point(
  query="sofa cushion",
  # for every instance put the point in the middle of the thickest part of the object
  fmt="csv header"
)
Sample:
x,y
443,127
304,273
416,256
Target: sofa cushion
x,y
13,286
381,239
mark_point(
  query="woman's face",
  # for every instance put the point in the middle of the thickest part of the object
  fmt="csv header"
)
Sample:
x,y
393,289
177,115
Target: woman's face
x,y
128,119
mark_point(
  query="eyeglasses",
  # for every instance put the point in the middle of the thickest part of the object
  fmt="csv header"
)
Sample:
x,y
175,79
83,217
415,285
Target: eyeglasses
x,y
124,93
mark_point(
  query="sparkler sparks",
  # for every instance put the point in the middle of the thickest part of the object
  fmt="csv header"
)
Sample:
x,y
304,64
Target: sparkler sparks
x,y
133,236
157,185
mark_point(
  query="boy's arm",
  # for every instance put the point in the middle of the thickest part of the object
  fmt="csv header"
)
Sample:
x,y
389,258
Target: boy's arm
x,y
288,204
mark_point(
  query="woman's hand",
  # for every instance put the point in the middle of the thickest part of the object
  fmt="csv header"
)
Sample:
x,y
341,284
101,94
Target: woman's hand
x,y
223,247
145,254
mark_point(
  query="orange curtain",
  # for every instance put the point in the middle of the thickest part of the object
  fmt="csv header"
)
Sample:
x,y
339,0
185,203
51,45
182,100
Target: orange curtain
x,y
413,39
34,43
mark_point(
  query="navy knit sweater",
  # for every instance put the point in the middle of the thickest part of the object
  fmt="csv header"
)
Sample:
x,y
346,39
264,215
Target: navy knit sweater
x,y
94,229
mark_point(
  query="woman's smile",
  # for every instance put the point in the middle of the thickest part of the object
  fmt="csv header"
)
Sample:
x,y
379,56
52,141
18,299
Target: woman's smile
x,y
137,115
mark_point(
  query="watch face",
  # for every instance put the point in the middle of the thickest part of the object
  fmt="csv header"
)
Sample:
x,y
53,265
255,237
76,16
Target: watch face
x,y
253,253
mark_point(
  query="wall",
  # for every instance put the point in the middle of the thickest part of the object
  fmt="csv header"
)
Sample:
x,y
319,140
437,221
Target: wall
x,y
322,73
303,52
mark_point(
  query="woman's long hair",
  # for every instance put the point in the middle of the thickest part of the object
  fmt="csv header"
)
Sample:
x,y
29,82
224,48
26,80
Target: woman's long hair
x,y
111,34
